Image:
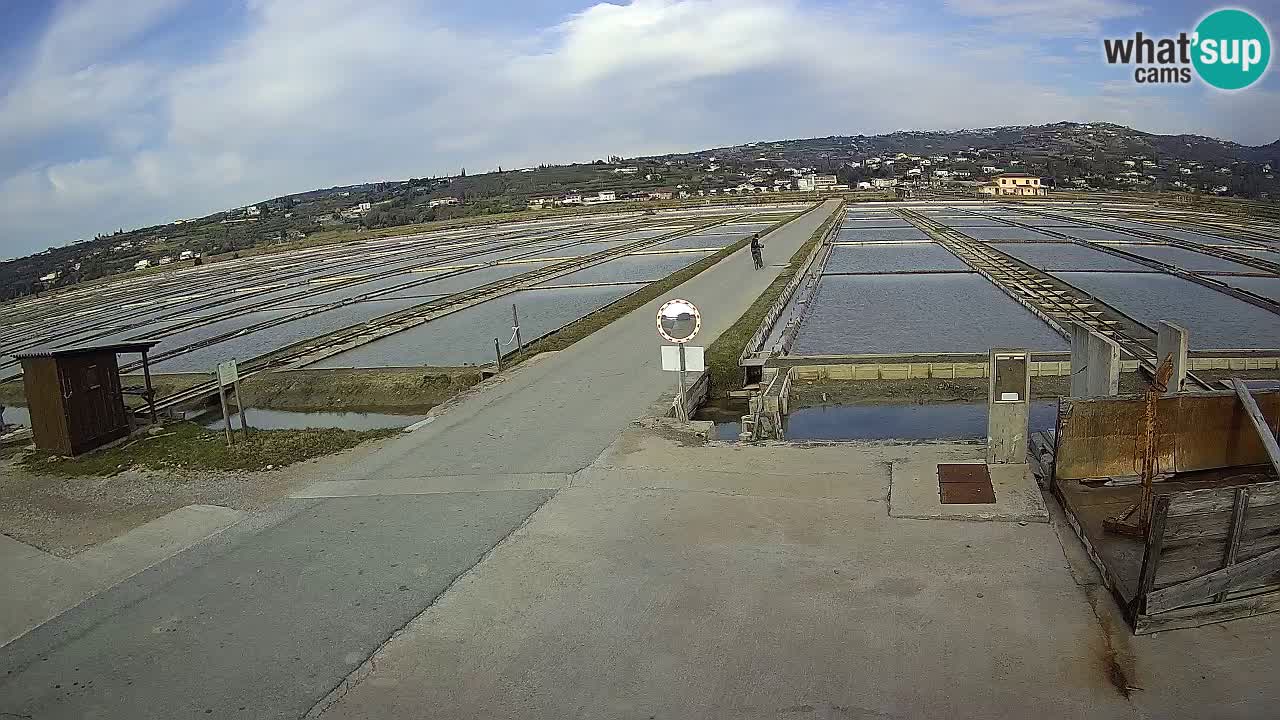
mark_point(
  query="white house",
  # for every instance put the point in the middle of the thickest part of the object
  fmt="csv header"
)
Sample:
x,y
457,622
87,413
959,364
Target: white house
x,y
813,182
142,265
626,170
166,260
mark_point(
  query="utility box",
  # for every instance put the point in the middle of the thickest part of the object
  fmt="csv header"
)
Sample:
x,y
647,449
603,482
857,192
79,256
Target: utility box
x,y
1008,406
75,397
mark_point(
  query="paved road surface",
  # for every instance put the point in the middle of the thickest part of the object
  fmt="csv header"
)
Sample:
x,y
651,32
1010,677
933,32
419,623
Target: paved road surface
x,y
267,618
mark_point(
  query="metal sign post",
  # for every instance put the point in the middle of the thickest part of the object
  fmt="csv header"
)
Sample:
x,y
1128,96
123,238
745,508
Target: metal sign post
x,y
244,412
228,375
678,322
515,325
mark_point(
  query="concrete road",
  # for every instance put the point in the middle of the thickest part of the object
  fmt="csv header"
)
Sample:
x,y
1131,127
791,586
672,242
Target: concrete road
x,y
270,616
262,624
678,581
558,415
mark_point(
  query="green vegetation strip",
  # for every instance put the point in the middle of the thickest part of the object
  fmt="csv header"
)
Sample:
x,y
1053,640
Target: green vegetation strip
x,y
722,355
334,237
187,446
584,326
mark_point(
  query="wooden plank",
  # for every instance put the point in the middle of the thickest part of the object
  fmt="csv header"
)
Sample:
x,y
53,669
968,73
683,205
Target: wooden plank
x,y
1199,615
1233,535
1200,588
1151,558
1260,424
1211,526
1177,568
1221,500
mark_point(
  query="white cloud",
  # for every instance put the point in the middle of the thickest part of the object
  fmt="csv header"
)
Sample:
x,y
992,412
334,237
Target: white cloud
x,y
322,92
1047,18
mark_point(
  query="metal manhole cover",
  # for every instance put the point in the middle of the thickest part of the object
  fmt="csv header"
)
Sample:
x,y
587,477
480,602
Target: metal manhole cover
x,y
964,473
965,484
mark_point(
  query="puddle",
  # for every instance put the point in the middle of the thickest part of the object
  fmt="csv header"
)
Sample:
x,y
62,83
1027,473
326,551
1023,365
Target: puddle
x,y
726,414
290,420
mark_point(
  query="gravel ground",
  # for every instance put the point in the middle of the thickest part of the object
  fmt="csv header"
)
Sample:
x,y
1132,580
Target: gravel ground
x,y
64,516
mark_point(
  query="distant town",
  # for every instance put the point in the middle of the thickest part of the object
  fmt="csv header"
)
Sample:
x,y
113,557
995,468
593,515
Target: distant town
x,y
1020,161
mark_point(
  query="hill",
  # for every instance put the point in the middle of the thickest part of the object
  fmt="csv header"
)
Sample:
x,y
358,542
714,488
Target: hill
x,y
1082,156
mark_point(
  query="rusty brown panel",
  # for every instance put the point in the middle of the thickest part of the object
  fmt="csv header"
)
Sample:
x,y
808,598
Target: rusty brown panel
x,y
1103,437
966,493
1099,438
964,473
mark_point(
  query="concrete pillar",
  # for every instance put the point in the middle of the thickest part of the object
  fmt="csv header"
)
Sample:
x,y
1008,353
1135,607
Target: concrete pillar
x,y
1008,406
1104,366
1079,360
1172,341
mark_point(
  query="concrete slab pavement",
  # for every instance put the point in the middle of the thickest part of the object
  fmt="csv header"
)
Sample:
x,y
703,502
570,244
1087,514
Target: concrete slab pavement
x,y
618,602
39,585
914,491
724,581
273,622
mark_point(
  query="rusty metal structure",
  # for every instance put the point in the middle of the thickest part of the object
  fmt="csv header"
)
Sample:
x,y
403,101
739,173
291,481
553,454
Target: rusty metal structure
x,y
75,395
1122,523
1176,500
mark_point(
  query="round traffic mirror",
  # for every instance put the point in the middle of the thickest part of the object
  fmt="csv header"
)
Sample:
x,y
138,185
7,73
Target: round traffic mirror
x,y
679,321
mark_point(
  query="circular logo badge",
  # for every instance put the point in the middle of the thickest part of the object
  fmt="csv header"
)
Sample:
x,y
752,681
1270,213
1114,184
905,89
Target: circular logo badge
x,y
1232,49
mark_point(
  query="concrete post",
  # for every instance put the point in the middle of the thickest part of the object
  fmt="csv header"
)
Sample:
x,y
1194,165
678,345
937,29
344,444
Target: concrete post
x,y
1104,366
1172,341
1008,406
1079,360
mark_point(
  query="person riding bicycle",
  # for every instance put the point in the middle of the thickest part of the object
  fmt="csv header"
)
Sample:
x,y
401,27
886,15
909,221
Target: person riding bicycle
x,y
757,251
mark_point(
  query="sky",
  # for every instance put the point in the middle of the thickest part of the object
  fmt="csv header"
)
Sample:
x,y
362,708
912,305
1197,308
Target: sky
x,y
126,114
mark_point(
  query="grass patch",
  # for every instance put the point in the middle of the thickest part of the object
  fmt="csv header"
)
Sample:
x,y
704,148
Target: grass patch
x,y
187,446
13,392
358,389
584,326
722,355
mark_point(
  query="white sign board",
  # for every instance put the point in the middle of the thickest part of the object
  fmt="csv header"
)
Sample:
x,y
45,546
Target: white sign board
x,y
693,358
227,373
678,321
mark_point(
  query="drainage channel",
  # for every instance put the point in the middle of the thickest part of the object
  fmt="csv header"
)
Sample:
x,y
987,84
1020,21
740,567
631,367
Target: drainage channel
x,y
879,421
